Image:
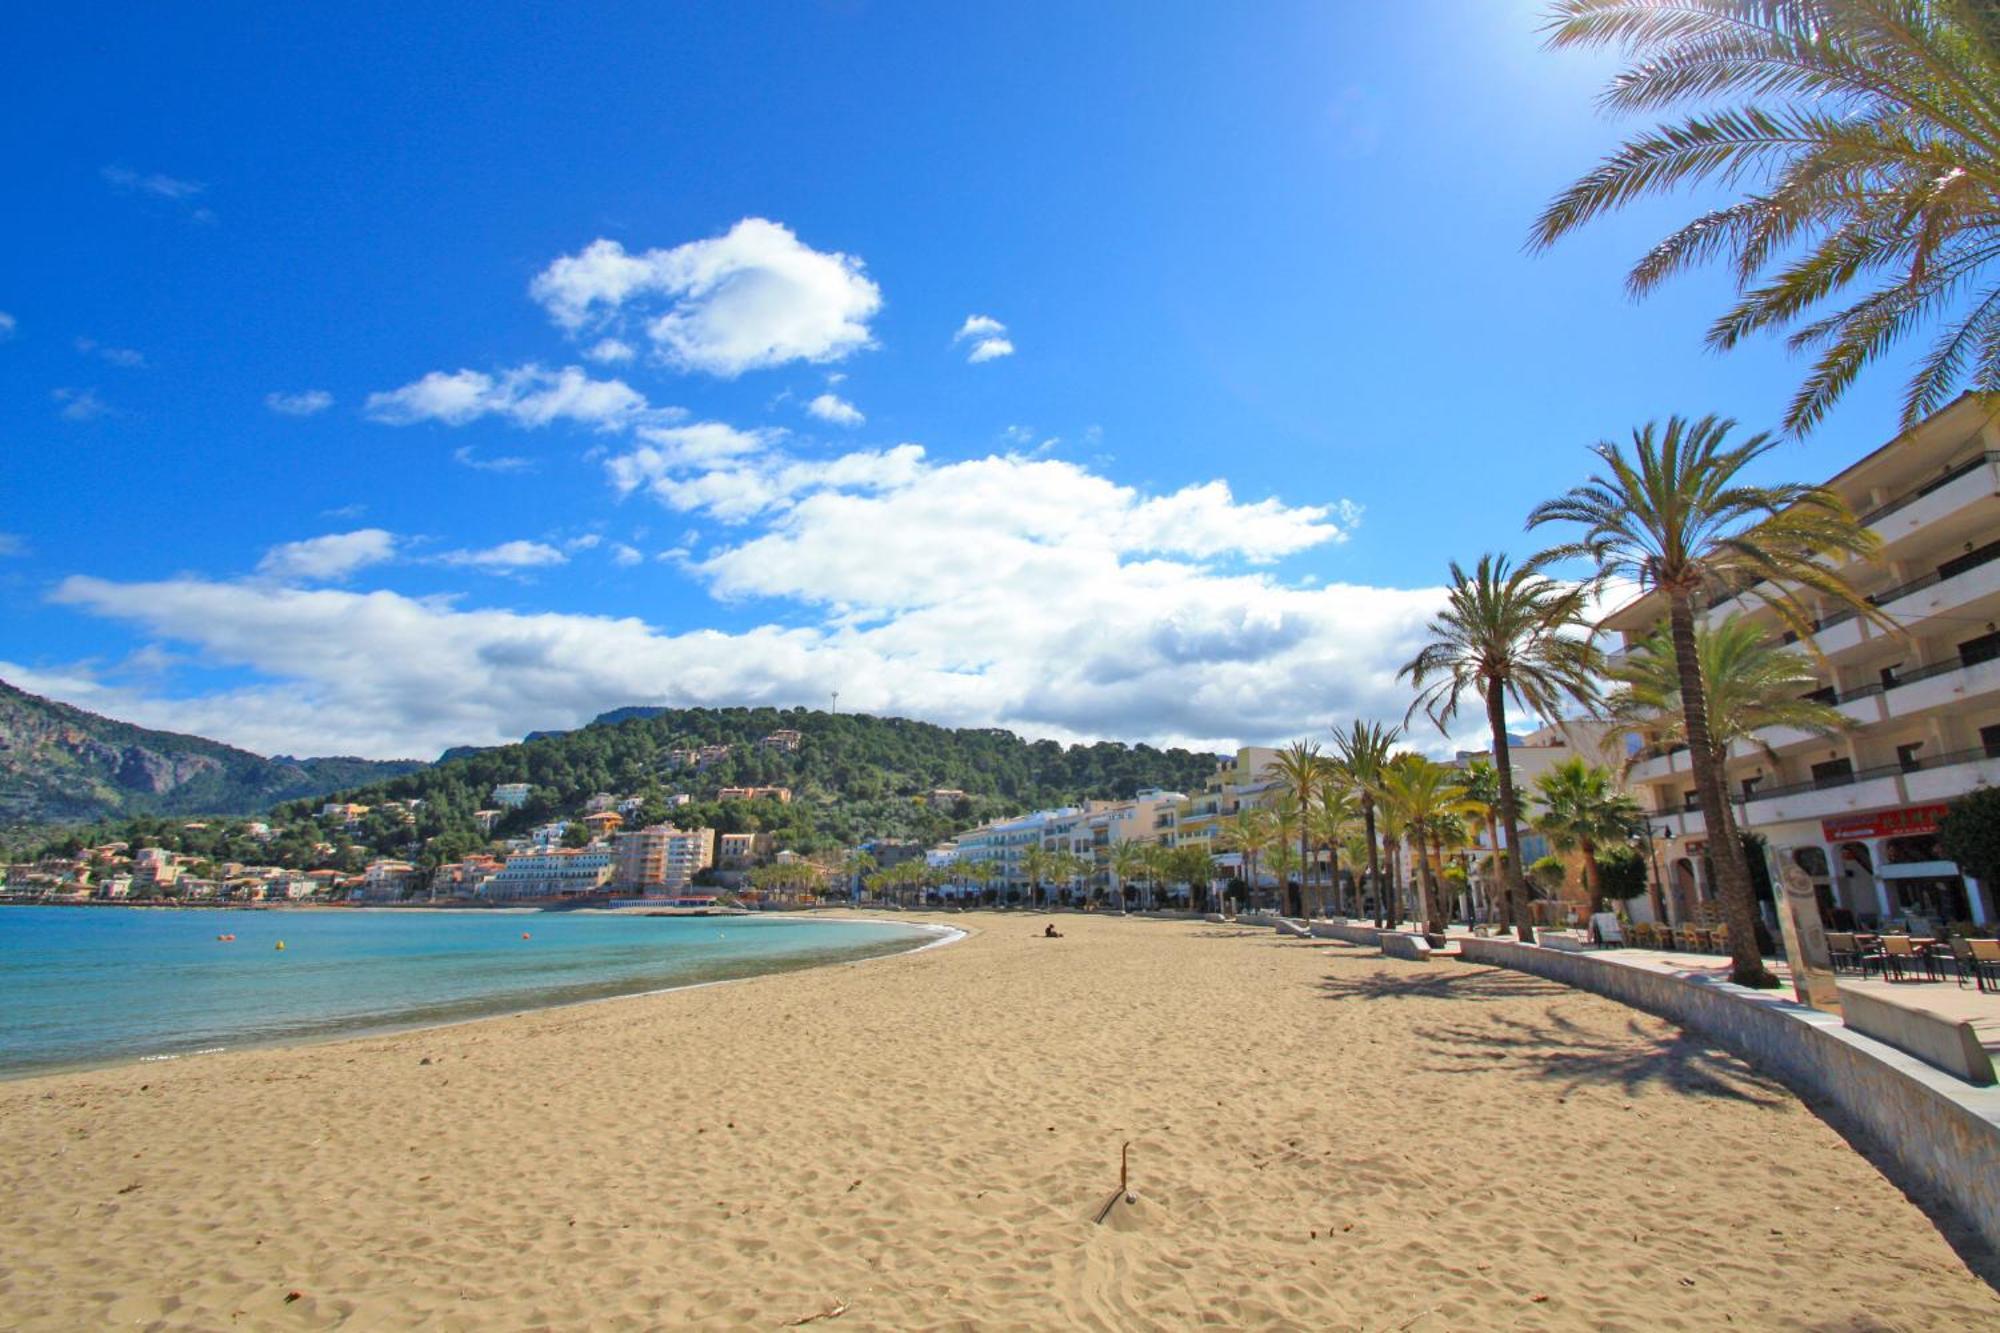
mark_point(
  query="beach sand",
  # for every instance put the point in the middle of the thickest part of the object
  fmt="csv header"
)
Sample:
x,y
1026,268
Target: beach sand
x,y
1320,1138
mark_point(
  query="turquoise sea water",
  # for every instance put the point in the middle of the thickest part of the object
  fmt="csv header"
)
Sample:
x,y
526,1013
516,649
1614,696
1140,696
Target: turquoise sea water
x,y
82,986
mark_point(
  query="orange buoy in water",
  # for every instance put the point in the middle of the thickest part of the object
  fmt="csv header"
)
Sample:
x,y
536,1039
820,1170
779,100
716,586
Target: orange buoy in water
x,y
225,938
526,936
281,946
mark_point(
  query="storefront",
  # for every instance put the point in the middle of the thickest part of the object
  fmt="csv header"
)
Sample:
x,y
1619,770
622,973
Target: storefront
x,y
1883,866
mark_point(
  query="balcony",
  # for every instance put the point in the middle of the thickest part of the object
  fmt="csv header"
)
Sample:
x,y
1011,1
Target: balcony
x,y
1942,685
1950,775
1967,484
1826,797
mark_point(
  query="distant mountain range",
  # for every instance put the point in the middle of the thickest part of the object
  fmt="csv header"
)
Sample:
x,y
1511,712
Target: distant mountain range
x,y
60,764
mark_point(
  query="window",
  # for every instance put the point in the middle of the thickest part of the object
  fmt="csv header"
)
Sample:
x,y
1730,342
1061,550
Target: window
x,y
1985,648
1833,773
1970,560
1750,787
1989,740
1907,758
1888,676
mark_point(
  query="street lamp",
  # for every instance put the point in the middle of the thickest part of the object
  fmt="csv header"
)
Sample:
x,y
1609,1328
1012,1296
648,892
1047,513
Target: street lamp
x,y
1663,901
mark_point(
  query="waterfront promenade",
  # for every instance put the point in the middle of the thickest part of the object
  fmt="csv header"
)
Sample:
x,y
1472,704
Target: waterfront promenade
x,y
1319,1137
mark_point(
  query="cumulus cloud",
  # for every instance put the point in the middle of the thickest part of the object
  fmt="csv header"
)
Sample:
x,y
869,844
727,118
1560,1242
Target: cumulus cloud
x,y
753,297
627,556
507,557
988,337
832,407
609,351
527,396
334,556
299,404
7,326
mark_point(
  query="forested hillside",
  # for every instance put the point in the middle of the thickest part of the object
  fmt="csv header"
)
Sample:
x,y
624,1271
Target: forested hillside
x,y
853,777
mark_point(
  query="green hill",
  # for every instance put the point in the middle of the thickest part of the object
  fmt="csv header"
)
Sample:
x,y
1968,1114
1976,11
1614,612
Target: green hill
x,y
60,764
853,777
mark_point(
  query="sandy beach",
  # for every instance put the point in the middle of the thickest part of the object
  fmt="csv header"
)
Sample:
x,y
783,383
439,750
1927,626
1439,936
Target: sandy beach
x,y
1319,1138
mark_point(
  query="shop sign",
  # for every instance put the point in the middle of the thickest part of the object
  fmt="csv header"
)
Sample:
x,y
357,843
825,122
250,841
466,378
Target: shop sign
x,y
1911,819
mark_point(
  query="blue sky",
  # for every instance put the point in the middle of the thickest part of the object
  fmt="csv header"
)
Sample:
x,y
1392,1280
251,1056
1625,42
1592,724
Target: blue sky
x,y
378,379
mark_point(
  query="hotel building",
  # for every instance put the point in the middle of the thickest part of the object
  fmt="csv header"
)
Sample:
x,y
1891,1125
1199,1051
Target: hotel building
x,y
1858,811
661,859
551,874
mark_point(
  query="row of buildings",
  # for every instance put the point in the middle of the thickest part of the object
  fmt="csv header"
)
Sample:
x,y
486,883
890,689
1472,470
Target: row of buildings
x,y
1857,811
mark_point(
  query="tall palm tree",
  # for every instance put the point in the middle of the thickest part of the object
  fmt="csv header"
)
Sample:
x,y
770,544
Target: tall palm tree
x,y
1360,751
1128,862
1677,518
1505,633
1421,793
1482,795
1865,136
1159,860
1331,820
1300,770
1582,810
1283,860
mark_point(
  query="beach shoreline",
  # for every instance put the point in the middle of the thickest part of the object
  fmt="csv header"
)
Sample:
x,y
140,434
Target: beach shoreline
x,y
1318,1137
936,936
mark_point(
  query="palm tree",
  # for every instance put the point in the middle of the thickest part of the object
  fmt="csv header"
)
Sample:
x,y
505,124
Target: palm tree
x,y
1505,633
1868,132
1194,867
1128,862
1421,793
1751,684
1482,796
1037,863
1159,860
1300,770
1360,751
1248,833
1331,820
1675,518
1284,860
1583,810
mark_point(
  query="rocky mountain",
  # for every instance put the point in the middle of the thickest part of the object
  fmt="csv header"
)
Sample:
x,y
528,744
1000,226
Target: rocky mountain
x,y
60,764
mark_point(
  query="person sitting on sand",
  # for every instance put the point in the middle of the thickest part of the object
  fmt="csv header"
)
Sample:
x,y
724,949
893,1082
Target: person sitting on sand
x,y
1049,932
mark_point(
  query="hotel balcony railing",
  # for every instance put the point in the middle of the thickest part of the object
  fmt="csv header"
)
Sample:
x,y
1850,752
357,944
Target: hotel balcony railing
x,y
1888,595
1918,764
1911,677
1876,515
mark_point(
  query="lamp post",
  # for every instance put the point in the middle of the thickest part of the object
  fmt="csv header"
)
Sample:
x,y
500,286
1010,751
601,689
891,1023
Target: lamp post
x,y
1662,900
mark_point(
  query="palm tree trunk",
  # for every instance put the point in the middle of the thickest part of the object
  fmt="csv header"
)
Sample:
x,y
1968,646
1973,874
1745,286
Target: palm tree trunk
x,y
1374,862
1510,813
1333,873
1725,852
1436,924
1592,882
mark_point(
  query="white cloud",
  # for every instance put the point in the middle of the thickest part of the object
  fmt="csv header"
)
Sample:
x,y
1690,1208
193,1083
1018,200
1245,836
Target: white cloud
x,y
627,556
12,544
607,351
465,455
507,557
527,396
753,297
81,405
834,408
162,186
7,326
988,337
125,357
299,404
334,556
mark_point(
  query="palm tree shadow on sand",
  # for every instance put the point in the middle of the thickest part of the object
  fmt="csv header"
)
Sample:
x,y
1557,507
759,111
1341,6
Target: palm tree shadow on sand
x,y
1441,983
1575,1057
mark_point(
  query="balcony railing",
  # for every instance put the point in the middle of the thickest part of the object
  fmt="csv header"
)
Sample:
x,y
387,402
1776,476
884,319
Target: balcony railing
x,y
1876,515
1914,764
1829,696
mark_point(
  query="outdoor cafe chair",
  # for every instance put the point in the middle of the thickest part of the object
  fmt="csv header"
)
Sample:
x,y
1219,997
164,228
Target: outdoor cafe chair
x,y
1898,951
1985,963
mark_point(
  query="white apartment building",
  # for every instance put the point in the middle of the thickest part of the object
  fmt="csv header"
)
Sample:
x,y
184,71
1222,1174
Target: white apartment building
x,y
551,874
1238,783
1858,811
511,795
